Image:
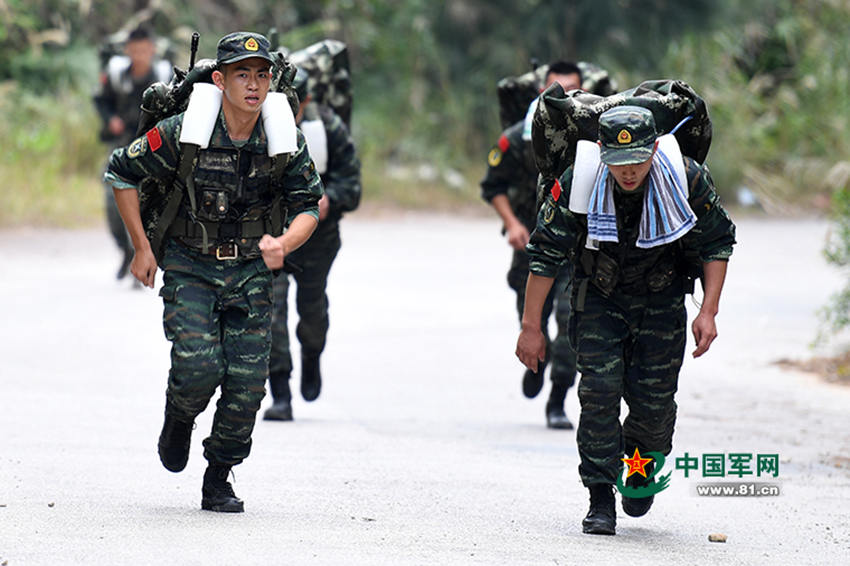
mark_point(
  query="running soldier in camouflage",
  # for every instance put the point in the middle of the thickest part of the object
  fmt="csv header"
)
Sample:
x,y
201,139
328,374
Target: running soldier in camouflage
x,y
510,187
218,255
628,317
336,160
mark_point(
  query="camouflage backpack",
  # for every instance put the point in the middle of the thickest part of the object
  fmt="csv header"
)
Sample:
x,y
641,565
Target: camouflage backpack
x,y
159,202
516,93
563,118
328,75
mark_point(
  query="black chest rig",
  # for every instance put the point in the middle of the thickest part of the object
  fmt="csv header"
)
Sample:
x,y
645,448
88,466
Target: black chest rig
x,y
233,199
622,266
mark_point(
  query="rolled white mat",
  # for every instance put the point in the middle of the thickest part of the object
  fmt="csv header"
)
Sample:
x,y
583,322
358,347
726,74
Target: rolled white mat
x,y
584,175
279,124
317,143
201,114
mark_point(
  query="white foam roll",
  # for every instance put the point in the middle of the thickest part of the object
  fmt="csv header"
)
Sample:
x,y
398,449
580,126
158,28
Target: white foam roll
x,y
669,146
279,124
317,143
584,175
201,114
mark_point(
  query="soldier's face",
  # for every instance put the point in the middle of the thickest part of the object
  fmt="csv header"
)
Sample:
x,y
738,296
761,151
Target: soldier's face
x,y
631,176
567,82
140,52
245,83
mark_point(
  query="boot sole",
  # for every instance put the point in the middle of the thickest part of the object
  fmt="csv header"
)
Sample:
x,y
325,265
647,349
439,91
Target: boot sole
x,y
637,509
532,384
223,507
174,466
597,530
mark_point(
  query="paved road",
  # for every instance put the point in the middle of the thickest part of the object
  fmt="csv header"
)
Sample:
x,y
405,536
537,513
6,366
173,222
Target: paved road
x,y
421,449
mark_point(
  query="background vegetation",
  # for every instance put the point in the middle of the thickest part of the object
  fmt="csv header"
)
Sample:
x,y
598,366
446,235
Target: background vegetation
x,y
774,73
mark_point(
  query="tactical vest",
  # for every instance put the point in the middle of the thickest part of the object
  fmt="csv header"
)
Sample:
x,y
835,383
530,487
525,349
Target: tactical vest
x,y
232,190
232,196
622,266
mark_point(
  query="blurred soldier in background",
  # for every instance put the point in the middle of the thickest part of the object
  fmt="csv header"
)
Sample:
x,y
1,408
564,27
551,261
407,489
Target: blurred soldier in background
x,y
333,152
510,186
123,80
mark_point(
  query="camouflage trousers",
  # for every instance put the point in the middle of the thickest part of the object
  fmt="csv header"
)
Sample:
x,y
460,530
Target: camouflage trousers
x,y
559,352
629,347
314,259
217,315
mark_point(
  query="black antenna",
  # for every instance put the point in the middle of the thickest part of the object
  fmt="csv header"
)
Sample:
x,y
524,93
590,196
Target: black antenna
x,y
196,37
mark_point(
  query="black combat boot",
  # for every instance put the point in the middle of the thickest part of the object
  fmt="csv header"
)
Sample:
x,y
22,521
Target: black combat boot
x,y
638,506
311,378
556,417
174,441
532,382
218,493
601,519
279,411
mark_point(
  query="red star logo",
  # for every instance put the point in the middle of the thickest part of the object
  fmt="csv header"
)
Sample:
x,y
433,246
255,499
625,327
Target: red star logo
x,y
636,464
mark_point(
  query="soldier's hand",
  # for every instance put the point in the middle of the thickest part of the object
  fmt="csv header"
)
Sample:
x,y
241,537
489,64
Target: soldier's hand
x,y
705,331
531,347
116,126
517,236
143,267
273,252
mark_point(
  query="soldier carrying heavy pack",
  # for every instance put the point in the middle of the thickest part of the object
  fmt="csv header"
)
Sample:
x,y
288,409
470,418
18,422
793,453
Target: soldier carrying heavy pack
x,y
510,186
631,217
207,194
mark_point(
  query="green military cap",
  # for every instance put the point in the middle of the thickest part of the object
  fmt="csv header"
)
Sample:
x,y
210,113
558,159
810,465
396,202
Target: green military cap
x,y
241,45
627,135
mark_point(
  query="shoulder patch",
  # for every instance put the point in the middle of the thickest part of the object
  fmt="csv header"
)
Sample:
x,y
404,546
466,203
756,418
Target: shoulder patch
x,y
556,190
136,148
154,139
494,157
548,212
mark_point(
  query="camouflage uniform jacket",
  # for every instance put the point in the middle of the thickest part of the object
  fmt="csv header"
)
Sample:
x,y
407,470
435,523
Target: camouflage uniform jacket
x,y
220,166
512,172
560,234
342,177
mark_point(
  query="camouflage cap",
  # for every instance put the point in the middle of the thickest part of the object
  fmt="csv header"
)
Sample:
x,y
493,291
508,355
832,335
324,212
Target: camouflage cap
x,y
241,45
627,135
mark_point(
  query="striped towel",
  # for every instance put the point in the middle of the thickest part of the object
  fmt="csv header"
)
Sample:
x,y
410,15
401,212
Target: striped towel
x,y
666,214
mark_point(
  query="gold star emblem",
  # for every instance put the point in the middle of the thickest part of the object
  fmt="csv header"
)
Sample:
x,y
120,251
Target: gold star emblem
x,y
624,136
636,464
251,44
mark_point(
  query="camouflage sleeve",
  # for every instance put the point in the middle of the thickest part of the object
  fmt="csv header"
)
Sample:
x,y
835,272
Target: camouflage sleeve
x,y
504,168
714,233
154,154
342,179
301,183
558,231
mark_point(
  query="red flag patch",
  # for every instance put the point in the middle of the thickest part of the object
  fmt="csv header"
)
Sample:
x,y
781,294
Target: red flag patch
x,y
556,190
154,141
504,143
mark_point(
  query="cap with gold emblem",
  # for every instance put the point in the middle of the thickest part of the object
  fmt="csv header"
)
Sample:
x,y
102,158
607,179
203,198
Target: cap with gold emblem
x,y
241,45
627,135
